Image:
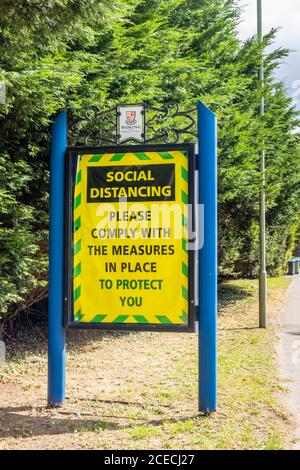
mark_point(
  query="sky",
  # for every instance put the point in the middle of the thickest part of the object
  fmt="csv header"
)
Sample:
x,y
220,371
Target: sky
x,y
286,15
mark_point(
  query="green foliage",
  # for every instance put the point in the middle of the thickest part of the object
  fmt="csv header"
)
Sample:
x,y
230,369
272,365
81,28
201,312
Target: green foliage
x,y
20,266
34,40
73,53
295,236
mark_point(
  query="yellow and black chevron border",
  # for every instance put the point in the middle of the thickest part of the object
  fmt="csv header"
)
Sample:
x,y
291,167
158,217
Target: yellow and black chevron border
x,y
77,241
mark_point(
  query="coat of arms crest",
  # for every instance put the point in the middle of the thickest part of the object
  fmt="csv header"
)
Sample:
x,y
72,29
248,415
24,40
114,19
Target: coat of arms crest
x,y
130,117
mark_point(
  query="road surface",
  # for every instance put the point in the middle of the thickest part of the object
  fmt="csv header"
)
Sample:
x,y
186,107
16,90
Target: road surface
x,y
290,352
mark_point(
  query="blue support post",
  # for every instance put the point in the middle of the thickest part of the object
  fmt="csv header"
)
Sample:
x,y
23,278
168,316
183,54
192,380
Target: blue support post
x,y
56,330
207,135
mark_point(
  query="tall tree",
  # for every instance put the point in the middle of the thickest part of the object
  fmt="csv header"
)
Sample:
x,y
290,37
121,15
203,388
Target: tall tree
x,y
35,37
103,52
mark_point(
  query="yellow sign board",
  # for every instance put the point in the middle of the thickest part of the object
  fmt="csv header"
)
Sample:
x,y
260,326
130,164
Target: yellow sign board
x,y
129,263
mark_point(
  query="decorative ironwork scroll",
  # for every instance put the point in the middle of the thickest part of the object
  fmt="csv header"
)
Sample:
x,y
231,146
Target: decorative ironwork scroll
x,y
162,123
167,124
96,127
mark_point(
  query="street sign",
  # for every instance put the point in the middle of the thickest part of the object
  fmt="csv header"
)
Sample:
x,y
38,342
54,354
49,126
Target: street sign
x,y
117,259
128,216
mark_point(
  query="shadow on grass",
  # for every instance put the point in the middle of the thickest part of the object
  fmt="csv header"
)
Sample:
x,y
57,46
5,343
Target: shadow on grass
x,y
119,402
15,424
240,328
34,340
230,294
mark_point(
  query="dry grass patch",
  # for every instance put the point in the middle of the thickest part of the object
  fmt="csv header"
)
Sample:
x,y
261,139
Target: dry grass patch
x,y
139,390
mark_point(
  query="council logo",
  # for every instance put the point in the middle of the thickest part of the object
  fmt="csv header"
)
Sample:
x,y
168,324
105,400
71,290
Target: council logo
x,y
130,118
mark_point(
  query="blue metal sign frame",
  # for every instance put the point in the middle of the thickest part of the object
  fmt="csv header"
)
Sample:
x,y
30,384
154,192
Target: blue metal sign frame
x,y
207,276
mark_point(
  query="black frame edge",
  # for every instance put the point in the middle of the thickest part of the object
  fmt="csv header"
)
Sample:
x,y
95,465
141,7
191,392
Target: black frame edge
x,y
68,239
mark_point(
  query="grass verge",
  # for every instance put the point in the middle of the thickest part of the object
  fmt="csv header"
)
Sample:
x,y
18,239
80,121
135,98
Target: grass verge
x,y
139,390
